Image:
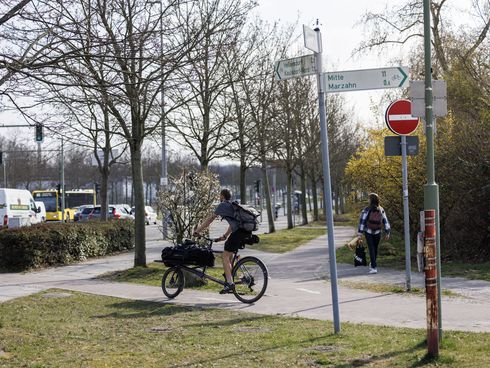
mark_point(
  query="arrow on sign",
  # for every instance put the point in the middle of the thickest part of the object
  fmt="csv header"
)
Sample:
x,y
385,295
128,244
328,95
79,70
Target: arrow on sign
x,y
295,67
358,80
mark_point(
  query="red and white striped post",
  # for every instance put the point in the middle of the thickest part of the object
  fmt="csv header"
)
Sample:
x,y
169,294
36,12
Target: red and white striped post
x,y
431,283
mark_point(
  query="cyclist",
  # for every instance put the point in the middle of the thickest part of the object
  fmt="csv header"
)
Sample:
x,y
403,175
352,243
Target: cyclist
x,y
234,236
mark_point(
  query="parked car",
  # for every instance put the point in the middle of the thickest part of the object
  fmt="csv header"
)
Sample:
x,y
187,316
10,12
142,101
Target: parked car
x,y
41,211
84,214
17,208
79,210
115,212
150,215
127,207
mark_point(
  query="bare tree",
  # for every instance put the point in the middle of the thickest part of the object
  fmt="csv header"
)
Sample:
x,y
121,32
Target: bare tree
x,y
111,46
202,122
400,24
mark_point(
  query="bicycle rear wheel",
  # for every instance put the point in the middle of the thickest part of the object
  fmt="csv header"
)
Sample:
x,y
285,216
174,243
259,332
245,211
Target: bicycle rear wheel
x,y
250,277
173,282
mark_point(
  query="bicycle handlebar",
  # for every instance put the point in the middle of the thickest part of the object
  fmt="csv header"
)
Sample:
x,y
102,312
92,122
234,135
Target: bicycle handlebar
x,y
211,240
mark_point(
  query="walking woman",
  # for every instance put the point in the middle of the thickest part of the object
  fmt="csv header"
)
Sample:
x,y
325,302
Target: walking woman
x,y
372,220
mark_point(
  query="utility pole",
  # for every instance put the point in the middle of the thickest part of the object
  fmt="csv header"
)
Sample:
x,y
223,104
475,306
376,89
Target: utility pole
x,y
164,176
431,189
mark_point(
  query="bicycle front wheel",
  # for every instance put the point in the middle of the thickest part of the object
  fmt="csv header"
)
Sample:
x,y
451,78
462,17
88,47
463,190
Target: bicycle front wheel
x,y
250,277
173,282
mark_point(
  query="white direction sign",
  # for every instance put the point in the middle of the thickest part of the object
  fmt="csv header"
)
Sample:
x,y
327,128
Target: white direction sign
x,y
295,67
359,80
311,39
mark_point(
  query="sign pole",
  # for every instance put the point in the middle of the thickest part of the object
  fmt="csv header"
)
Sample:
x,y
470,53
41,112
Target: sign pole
x,y
62,180
406,214
327,186
431,189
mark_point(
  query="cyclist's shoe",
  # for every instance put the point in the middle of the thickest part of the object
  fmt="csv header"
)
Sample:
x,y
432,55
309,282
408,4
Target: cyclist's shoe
x,y
228,289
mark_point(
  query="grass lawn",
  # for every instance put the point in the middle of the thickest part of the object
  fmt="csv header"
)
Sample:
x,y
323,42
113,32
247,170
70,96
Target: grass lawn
x,y
283,241
60,329
152,275
392,255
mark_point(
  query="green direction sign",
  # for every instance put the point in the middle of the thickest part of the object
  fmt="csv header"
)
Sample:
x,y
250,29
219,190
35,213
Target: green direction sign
x,y
295,67
359,80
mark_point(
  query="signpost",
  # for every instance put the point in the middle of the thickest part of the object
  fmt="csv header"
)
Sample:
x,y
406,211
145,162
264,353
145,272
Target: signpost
x,y
359,80
400,121
295,67
344,81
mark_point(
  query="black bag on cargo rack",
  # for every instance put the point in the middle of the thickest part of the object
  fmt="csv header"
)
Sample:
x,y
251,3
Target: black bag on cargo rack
x,y
246,216
187,254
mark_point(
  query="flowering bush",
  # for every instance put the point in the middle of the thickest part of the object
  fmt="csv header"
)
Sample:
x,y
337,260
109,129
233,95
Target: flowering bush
x,y
187,201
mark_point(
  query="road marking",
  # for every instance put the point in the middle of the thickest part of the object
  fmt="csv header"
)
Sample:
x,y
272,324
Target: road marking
x,y
308,291
220,300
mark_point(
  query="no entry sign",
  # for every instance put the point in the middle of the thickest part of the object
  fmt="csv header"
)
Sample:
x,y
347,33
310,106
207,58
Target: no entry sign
x,y
399,117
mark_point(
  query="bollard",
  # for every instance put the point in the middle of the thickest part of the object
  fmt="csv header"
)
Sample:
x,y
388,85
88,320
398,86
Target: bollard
x,y
431,284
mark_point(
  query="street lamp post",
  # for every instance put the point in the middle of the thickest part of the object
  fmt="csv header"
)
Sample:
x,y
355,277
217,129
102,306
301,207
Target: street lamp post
x,y
431,189
163,177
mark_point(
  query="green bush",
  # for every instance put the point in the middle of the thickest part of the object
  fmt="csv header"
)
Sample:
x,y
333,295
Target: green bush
x,y
57,243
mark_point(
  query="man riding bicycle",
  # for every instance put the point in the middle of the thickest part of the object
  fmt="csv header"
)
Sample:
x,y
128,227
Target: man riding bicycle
x,y
234,236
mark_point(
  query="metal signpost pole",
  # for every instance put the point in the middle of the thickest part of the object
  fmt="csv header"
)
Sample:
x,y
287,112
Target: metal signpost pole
x,y
327,187
164,178
406,214
62,180
5,171
431,189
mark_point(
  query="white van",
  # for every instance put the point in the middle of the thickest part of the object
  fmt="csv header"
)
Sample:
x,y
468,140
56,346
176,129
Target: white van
x,y
17,208
41,208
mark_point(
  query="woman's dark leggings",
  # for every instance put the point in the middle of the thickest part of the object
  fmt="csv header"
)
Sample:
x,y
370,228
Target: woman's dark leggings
x,y
372,241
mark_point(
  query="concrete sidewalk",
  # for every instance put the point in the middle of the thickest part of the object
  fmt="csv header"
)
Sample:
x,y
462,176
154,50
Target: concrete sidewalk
x,y
297,288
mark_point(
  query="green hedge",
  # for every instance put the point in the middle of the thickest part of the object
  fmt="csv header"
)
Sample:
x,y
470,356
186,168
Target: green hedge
x,y
57,243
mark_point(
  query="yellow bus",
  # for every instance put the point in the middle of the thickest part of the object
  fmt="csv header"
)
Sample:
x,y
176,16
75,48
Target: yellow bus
x,y
73,199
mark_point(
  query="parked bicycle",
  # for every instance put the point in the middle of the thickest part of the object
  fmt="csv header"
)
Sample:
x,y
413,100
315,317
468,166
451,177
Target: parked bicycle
x,y
249,274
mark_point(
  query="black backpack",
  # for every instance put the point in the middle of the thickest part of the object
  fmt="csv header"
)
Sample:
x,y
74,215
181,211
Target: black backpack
x,y
187,253
246,216
360,256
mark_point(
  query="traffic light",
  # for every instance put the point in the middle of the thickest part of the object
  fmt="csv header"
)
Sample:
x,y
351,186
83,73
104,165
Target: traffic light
x,y
97,187
257,186
1,157
39,132
58,188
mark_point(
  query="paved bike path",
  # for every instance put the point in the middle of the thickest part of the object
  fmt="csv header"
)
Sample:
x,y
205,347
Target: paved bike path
x,y
296,288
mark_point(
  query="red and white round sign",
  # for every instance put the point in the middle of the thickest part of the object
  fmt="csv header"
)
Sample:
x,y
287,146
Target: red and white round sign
x,y
399,117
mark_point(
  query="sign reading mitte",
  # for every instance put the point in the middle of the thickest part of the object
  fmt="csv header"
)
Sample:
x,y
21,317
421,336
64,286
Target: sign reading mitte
x,y
399,117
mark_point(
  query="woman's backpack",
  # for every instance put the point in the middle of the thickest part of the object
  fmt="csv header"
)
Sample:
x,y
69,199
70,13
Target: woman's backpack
x,y
374,220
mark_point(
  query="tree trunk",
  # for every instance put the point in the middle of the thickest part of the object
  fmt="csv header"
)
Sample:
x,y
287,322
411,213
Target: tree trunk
x,y
289,174
139,200
342,200
304,210
314,194
243,183
267,194
104,193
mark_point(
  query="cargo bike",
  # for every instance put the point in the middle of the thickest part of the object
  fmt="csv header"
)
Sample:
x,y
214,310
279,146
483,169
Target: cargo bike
x,y
249,273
